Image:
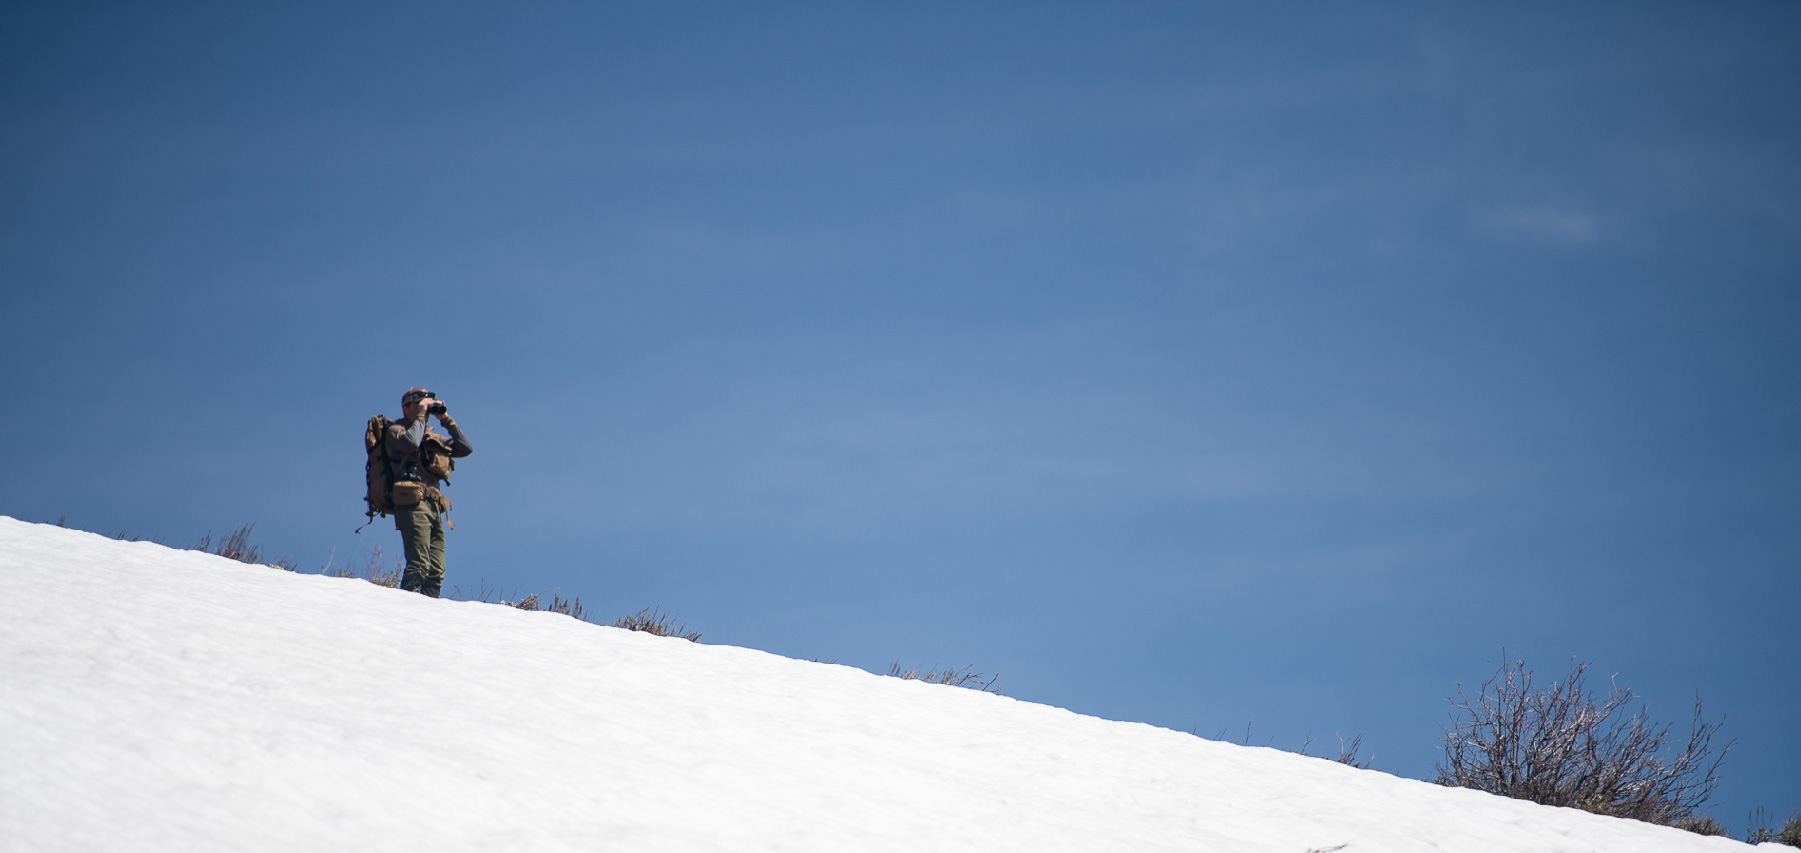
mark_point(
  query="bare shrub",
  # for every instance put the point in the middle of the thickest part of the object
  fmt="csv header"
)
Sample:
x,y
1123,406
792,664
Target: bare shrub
x,y
482,593
389,576
963,677
567,606
371,568
489,595
1702,825
1563,746
571,607
1347,752
652,620
1758,829
235,545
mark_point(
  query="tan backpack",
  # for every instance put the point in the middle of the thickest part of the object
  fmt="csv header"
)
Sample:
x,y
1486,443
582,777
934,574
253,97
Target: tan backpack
x,y
379,478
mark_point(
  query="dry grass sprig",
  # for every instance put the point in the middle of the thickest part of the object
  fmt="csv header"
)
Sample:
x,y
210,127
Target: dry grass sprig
x,y
653,620
965,677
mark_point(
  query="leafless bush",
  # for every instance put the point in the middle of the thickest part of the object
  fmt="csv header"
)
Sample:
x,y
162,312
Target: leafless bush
x,y
964,677
1563,746
535,602
482,593
558,604
1702,825
1758,829
371,569
1347,752
652,620
388,576
234,546
571,607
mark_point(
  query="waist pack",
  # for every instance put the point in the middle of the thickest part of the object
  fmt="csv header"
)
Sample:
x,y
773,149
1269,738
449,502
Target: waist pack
x,y
409,492
406,493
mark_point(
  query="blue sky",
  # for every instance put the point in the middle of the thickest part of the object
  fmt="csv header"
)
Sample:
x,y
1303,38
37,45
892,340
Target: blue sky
x,y
1196,364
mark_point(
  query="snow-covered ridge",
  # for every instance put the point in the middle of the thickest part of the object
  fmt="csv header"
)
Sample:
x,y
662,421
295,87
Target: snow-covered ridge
x,y
157,699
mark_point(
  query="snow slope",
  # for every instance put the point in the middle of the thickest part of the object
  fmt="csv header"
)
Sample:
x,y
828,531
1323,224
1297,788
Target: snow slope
x,y
155,699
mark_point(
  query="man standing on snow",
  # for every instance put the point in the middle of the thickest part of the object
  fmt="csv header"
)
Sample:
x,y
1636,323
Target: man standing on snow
x,y
419,461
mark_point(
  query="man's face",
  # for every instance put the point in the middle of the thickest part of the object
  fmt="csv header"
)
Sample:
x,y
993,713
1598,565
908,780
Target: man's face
x,y
413,405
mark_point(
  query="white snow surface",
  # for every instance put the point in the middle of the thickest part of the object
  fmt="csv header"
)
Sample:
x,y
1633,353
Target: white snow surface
x,y
156,699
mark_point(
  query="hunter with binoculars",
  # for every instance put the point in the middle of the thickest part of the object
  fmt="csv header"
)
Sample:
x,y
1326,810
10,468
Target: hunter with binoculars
x,y
405,481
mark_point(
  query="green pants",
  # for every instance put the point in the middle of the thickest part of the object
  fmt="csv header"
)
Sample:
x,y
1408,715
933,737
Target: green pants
x,y
422,533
